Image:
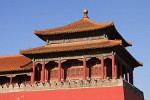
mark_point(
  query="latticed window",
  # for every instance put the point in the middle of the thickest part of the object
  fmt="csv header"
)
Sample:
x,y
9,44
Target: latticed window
x,y
95,71
54,73
78,72
75,72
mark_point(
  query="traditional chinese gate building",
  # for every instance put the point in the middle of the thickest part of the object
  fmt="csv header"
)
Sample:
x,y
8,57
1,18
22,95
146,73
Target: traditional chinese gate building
x,y
84,57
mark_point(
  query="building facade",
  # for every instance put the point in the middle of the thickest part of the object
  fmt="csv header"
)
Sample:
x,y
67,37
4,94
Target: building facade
x,y
83,57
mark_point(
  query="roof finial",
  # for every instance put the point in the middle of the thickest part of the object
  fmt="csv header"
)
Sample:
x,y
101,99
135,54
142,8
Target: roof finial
x,y
85,11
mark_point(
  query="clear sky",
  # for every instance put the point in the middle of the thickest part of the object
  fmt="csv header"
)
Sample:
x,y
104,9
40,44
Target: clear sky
x,y
19,19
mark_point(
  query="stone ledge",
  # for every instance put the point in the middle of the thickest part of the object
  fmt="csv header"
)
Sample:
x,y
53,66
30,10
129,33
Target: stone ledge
x,y
54,85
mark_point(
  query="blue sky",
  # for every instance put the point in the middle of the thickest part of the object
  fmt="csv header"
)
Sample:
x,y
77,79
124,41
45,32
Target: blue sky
x,y
19,19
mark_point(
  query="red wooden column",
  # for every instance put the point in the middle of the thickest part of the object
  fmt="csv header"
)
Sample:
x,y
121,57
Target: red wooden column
x,y
10,79
46,78
59,70
33,72
102,67
126,74
116,68
105,72
113,66
131,76
43,72
62,74
121,75
84,69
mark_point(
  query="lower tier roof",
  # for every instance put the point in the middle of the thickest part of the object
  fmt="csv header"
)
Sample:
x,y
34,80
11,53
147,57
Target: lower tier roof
x,y
104,43
14,63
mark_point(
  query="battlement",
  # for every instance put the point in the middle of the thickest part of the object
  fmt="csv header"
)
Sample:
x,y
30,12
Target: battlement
x,y
72,84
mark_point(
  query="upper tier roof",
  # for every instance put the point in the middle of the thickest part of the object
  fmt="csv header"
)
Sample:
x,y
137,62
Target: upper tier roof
x,y
14,63
82,25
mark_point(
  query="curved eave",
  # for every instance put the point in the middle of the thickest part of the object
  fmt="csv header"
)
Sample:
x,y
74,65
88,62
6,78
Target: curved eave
x,y
140,63
118,35
130,58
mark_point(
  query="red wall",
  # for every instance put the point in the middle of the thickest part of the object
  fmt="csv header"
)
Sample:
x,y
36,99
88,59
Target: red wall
x,y
129,95
105,93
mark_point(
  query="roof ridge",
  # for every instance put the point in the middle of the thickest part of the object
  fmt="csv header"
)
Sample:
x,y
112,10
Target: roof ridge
x,y
13,55
82,21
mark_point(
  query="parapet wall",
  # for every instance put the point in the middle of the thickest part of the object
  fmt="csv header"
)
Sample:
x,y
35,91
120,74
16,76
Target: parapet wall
x,y
71,85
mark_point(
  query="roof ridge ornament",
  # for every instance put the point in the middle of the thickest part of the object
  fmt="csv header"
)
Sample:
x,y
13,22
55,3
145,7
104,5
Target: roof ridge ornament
x,y
85,12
